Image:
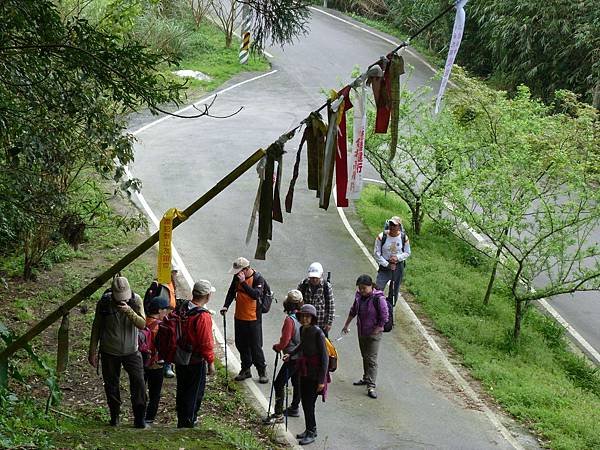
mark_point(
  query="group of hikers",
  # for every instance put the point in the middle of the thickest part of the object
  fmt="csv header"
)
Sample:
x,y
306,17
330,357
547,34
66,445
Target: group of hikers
x,y
146,337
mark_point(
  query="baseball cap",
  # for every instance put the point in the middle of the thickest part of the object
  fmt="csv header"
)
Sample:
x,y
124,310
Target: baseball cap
x,y
203,287
157,303
396,220
239,264
315,270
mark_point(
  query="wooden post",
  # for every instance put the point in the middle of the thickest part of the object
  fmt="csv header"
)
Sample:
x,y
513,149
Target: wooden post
x,y
97,283
62,351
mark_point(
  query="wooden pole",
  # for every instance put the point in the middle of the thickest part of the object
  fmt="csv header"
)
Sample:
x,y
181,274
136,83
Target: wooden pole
x,y
97,283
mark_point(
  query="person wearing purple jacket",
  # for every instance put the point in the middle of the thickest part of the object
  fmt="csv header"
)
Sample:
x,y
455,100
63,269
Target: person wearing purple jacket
x,y
371,318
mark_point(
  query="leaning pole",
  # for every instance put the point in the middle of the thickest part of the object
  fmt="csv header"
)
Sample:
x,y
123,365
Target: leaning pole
x,y
101,279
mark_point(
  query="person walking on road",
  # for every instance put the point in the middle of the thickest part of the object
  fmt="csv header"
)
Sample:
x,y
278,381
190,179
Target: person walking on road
x,y
392,249
318,292
289,340
158,308
246,289
370,308
119,315
191,378
312,365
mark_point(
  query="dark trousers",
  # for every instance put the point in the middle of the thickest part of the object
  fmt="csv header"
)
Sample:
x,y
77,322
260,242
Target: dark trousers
x,y
191,382
287,372
248,341
154,378
308,393
111,372
383,276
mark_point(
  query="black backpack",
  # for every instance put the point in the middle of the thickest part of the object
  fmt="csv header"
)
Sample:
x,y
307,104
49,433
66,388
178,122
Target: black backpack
x,y
387,327
155,290
267,297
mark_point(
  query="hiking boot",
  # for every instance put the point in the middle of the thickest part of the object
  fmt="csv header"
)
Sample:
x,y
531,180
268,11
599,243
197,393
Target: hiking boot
x,y
244,373
262,376
273,419
360,382
139,412
372,393
303,434
169,371
292,412
309,438
114,417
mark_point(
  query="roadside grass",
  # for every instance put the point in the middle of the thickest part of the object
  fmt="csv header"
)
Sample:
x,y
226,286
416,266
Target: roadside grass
x,y
538,380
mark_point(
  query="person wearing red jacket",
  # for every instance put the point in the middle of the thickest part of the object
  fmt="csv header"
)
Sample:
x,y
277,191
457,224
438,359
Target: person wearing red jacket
x,y
289,340
191,378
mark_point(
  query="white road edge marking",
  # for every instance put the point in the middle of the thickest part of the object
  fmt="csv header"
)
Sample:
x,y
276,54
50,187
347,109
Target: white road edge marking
x,y
232,359
463,384
383,38
202,101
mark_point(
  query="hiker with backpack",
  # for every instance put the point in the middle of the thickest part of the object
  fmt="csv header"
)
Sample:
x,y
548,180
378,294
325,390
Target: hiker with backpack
x,y
370,307
194,354
246,289
312,367
119,315
318,292
157,309
168,291
289,340
392,249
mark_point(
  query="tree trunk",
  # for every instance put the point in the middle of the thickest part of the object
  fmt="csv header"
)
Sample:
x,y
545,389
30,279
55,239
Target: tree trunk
x,y
228,39
488,292
518,318
417,218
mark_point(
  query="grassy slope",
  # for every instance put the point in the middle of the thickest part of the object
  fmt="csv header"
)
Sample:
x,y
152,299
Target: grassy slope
x,y
539,381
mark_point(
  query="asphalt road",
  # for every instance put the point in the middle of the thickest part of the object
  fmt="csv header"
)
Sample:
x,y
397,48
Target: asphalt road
x,y
178,160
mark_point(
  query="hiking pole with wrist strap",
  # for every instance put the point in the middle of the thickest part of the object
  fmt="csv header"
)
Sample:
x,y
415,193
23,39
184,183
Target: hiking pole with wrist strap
x,y
272,386
225,349
287,380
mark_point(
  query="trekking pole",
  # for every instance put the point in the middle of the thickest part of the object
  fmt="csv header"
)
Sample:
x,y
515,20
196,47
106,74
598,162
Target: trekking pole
x,y
287,380
272,386
225,348
393,288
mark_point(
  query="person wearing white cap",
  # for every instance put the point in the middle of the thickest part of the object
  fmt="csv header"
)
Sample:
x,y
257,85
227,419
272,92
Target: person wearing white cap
x,y
318,292
392,249
119,316
246,289
191,377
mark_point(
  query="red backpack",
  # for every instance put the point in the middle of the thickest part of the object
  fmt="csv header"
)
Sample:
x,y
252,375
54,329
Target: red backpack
x,y
173,340
147,345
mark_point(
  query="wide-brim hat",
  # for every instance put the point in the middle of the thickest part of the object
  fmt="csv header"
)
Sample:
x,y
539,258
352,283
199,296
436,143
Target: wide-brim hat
x,y
308,309
121,292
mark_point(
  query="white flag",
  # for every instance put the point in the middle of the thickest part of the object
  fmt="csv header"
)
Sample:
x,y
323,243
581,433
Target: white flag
x,y
358,143
457,32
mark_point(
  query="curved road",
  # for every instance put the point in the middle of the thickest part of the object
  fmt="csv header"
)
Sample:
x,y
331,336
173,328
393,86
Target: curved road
x,y
177,160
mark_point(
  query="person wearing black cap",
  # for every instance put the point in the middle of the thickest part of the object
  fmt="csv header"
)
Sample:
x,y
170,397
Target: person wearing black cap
x,y
157,309
371,318
312,365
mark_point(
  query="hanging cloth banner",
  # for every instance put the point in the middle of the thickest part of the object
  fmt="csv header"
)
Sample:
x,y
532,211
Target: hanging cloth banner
x,y
457,32
269,204
260,169
341,156
326,178
396,68
358,141
165,234
315,134
381,92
